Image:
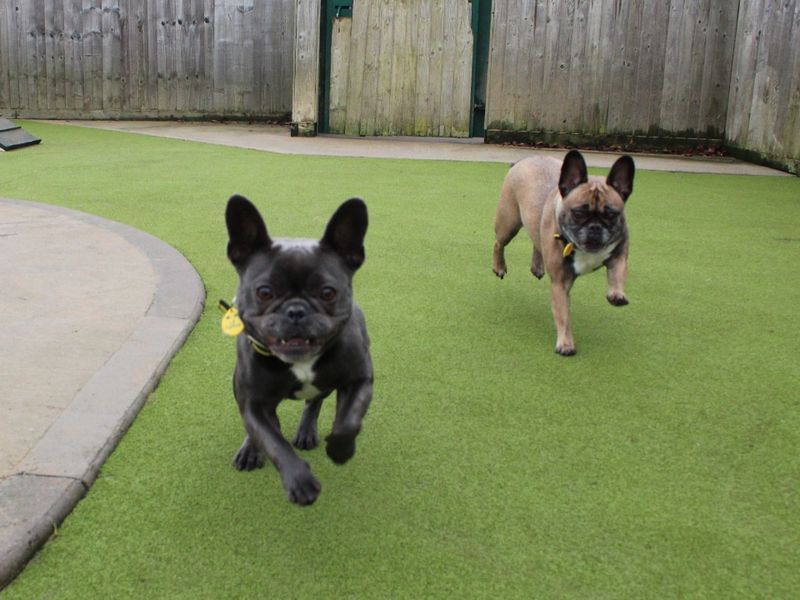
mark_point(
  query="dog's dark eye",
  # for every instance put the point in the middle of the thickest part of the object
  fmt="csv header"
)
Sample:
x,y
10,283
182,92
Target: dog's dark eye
x,y
327,294
579,213
264,293
610,213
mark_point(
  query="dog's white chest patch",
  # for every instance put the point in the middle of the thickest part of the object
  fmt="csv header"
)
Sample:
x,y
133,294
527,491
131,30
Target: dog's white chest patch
x,y
586,262
304,371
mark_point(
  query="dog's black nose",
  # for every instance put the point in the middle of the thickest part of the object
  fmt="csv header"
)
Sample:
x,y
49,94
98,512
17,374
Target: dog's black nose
x,y
594,231
295,312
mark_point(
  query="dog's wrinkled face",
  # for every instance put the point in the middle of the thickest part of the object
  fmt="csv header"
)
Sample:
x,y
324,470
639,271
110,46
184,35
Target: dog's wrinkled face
x,y
591,212
295,296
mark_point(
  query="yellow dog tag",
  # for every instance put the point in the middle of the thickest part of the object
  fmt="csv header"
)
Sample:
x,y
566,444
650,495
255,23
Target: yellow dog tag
x,y
232,325
569,247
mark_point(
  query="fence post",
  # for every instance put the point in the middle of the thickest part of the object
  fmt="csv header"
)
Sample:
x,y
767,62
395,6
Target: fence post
x,y
305,97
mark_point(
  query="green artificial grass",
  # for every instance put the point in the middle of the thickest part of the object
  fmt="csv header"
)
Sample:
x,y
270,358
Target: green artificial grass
x,y
660,462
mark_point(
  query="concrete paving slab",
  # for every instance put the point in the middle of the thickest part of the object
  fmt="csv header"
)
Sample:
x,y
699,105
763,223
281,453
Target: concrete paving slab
x,y
99,310
276,138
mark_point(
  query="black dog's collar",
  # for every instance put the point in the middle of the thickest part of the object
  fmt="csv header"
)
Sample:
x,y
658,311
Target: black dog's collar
x,y
233,325
258,346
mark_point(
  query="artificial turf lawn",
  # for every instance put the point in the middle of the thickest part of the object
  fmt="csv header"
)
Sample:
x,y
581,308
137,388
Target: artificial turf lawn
x,y
661,461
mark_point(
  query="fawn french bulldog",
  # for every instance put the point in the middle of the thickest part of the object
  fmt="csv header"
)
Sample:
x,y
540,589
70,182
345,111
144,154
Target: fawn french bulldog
x,y
576,223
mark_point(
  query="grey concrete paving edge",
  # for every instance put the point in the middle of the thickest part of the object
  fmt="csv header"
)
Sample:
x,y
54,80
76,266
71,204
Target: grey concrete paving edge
x,y
64,463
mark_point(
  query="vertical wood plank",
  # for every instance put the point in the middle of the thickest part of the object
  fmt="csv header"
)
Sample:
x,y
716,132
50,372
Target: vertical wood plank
x,y
6,69
73,68
436,66
384,91
524,91
410,61
182,54
151,37
652,69
462,79
594,104
372,63
207,53
356,67
40,55
496,70
577,71
398,53
264,31
112,56
423,100
340,66
511,50
306,62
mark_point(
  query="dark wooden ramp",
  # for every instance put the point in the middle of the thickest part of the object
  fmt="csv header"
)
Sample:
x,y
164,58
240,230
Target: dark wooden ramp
x,y
13,136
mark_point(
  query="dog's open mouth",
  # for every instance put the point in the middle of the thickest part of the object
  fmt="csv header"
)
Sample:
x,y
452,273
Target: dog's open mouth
x,y
293,347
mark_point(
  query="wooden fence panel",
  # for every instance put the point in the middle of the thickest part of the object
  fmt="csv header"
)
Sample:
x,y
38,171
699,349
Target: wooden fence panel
x,y
630,67
146,58
764,102
415,77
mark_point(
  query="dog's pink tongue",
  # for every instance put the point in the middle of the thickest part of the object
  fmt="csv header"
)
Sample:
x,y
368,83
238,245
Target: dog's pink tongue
x,y
296,342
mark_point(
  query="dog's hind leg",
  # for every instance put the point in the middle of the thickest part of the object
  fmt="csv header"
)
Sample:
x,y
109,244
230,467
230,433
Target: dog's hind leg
x,y
306,437
537,263
506,225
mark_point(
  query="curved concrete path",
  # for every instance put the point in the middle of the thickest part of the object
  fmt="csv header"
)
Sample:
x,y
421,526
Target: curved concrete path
x,y
93,312
276,138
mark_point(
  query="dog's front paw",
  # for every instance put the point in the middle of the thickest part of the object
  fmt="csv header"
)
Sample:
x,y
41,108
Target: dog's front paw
x,y
248,457
305,438
566,349
500,271
302,487
617,299
340,447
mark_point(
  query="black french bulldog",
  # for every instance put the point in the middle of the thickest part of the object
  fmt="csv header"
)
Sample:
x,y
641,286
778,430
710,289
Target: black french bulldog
x,y
305,337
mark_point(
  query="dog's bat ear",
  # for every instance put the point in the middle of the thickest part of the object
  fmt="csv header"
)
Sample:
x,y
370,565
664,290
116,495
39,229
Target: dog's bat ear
x,y
346,230
246,230
573,173
620,177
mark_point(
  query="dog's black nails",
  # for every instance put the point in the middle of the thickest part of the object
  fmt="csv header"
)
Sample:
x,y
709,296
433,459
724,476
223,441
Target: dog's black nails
x,y
617,300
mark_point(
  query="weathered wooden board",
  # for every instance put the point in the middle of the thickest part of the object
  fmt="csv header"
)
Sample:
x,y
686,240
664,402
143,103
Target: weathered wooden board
x,y
305,102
